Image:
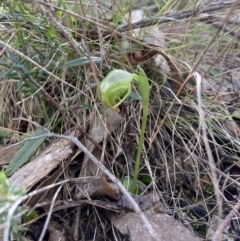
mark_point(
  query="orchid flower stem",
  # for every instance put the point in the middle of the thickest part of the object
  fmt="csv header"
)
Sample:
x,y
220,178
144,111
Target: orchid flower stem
x,y
117,86
144,90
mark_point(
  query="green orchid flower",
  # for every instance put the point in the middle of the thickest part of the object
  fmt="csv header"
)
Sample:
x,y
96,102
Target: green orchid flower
x,y
114,89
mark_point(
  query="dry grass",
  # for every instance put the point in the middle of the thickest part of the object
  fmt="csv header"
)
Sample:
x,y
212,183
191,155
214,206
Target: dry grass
x,y
191,144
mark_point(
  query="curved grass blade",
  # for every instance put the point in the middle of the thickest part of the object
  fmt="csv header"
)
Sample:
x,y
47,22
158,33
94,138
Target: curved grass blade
x,y
82,61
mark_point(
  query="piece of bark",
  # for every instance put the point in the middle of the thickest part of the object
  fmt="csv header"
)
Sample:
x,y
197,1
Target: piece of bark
x,y
31,173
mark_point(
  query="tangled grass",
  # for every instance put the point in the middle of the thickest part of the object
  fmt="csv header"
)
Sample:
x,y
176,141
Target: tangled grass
x,y
53,56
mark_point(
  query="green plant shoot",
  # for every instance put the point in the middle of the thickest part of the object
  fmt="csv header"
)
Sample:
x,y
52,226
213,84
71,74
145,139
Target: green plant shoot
x,y
114,89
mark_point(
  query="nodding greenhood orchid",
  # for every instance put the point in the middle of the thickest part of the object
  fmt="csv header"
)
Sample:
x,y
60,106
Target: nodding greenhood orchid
x,y
115,88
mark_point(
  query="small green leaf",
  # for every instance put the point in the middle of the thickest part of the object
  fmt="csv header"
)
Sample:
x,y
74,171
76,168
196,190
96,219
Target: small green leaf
x,y
146,180
30,216
128,183
4,186
6,65
59,4
25,153
82,61
135,96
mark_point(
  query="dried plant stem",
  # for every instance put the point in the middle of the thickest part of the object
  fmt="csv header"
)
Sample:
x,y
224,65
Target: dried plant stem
x,y
49,214
225,222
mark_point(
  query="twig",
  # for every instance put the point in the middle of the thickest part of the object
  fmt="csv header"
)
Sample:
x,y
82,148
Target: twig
x,y
176,16
225,222
49,214
74,44
203,127
77,224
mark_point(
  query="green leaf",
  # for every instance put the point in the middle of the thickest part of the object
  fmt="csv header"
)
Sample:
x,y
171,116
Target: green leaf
x,y
25,153
146,180
128,183
6,65
30,216
82,61
135,96
4,186
59,4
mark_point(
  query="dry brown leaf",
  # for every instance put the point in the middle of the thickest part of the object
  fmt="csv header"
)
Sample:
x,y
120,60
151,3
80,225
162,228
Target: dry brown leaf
x,y
109,188
98,131
152,36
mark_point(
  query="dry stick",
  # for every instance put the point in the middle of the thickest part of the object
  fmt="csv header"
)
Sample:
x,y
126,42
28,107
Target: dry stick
x,y
225,222
211,21
203,127
49,214
226,176
6,45
176,16
76,47
106,171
